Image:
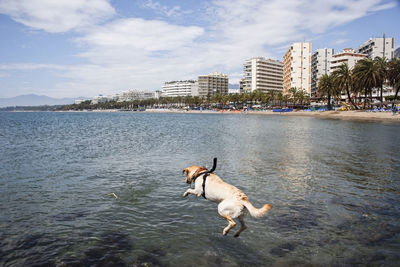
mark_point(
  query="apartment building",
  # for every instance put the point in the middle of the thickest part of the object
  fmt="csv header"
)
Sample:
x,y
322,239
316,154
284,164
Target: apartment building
x,y
320,65
213,83
349,56
180,88
378,47
132,95
262,74
297,67
101,99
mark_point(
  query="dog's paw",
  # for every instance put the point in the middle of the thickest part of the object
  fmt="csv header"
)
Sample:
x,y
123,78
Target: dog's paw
x,y
185,194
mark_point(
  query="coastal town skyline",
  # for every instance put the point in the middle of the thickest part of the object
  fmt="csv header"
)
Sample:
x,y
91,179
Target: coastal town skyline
x,y
107,47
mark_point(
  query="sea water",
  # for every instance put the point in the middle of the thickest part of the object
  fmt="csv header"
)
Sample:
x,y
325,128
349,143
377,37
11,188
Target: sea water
x,y
334,187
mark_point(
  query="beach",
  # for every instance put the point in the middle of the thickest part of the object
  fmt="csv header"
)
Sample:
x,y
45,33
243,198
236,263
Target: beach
x,y
343,115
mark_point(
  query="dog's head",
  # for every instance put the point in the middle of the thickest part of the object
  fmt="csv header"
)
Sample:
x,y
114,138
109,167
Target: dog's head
x,y
191,172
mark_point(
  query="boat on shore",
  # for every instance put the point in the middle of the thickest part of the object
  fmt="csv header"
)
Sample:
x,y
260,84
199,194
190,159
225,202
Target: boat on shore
x,y
282,110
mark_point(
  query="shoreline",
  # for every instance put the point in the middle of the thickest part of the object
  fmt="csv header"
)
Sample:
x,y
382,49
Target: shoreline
x,y
342,115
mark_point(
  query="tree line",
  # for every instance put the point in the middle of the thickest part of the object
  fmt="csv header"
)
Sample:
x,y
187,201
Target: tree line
x,y
269,99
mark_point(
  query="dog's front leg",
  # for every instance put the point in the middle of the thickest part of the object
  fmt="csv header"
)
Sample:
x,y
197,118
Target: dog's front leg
x,y
192,191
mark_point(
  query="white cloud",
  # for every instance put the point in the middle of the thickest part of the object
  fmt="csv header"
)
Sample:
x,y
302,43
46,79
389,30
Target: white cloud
x,y
146,35
275,22
57,16
174,11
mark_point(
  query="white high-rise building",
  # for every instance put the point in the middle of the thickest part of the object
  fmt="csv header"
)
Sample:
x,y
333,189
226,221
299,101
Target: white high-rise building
x,y
180,88
349,56
132,95
297,67
320,65
378,47
262,74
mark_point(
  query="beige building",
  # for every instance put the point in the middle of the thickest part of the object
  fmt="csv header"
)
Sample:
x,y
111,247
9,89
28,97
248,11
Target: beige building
x,y
297,67
262,74
349,56
213,83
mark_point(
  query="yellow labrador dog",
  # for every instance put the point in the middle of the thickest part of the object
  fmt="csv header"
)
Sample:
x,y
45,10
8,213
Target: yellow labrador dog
x,y
233,203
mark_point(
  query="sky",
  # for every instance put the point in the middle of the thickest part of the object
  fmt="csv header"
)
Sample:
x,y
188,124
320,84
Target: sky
x,y
74,48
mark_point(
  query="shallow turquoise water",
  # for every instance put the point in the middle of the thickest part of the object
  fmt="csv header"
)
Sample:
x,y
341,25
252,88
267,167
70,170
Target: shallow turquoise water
x,y
334,186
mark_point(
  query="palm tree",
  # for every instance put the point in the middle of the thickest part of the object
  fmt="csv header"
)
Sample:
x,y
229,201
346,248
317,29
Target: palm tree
x,y
266,98
272,96
366,74
294,95
234,98
302,96
382,66
326,87
279,97
393,76
286,99
342,77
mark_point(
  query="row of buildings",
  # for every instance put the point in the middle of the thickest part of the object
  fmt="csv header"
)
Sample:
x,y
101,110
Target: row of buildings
x,y
206,85
325,61
300,68
126,96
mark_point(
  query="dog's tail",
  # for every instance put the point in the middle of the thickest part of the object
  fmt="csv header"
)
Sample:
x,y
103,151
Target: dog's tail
x,y
254,211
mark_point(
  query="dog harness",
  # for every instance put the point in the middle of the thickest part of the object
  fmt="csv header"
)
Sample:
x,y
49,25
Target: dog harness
x,y
205,174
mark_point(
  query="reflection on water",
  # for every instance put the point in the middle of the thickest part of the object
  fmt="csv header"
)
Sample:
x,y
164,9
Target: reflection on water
x,y
334,187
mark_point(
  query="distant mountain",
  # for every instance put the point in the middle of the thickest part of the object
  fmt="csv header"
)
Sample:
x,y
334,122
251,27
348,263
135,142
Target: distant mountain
x,y
233,86
34,100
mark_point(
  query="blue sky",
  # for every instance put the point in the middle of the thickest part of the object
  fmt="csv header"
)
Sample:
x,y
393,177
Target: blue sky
x,y
71,48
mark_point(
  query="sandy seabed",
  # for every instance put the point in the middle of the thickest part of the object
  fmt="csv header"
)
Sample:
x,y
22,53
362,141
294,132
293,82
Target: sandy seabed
x,y
344,115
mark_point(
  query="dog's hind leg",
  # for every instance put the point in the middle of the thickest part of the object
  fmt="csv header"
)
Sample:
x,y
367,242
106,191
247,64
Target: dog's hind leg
x,y
242,226
230,225
227,210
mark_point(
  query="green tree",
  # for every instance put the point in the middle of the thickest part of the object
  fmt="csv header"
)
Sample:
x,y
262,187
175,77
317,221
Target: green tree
x,y
279,98
382,68
343,79
303,97
272,95
327,87
367,75
393,76
293,95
